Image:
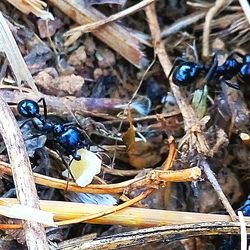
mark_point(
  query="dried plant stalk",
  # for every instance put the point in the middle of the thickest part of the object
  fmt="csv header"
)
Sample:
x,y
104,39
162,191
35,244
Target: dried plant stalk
x,y
151,180
131,216
9,47
92,26
32,6
22,175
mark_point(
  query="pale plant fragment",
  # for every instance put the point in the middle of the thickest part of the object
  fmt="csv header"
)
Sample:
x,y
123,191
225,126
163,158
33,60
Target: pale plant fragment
x,y
22,212
32,6
84,170
243,231
130,216
246,8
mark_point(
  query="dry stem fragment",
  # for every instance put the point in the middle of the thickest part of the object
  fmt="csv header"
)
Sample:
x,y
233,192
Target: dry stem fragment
x,y
92,26
219,4
22,175
246,8
9,47
32,6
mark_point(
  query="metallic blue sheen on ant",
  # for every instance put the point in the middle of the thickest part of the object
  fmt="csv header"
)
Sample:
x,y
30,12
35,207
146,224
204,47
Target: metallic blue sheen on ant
x,y
28,108
185,72
232,67
246,207
66,136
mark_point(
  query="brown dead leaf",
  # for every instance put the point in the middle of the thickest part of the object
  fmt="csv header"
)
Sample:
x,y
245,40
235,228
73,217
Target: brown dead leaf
x,y
129,136
142,154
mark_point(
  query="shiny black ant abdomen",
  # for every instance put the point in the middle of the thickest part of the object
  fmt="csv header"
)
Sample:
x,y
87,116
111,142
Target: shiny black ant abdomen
x,y
185,72
232,67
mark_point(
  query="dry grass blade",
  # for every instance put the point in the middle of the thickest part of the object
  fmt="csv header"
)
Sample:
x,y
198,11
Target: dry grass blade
x,y
108,211
32,6
92,26
219,4
246,8
9,47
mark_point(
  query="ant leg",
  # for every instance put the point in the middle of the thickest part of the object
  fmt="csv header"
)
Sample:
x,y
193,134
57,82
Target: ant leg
x,y
33,137
212,70
44,107
232,85
76,156
235,53
25,122
69,124
57,149
177,61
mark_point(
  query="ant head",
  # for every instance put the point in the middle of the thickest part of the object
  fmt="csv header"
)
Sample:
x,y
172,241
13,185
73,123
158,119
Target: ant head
x,y
58,129
28,108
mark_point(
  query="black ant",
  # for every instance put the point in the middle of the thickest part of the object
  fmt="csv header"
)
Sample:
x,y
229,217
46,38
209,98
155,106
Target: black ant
x,y
232,67
66,135
246,207
185,72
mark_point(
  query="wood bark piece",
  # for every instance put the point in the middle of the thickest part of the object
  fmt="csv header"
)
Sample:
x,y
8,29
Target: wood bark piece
x,y
22,175
62,105
114,35
144,237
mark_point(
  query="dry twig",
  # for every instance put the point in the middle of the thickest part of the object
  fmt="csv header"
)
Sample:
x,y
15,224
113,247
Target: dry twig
x,y
22,175
218,6
92,26
182,23
164,234
152,179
